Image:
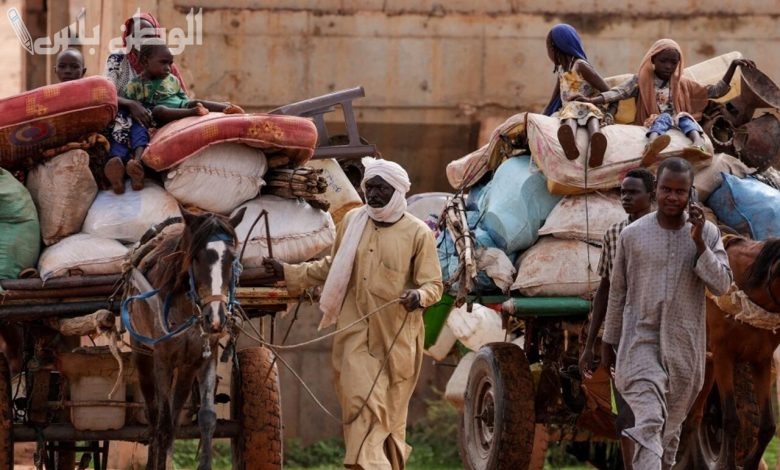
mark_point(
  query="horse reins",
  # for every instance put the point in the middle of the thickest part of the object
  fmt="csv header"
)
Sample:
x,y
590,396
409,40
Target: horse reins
x,y
198,301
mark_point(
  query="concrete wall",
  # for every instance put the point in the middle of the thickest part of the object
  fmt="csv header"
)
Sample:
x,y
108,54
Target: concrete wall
x,y
440,68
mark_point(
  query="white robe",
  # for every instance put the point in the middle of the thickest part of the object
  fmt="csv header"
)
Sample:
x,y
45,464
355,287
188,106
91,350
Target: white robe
x,y
388,261
656,317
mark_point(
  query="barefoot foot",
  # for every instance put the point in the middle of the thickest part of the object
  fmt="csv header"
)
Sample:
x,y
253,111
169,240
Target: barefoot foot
x,y
136,172
233,109
200,110
115,173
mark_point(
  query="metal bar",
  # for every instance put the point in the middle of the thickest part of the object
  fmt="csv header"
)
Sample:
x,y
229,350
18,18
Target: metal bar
x,y
546,306
263,293
136,432
56,405
306,106
345,151
61,309
56,293
60,282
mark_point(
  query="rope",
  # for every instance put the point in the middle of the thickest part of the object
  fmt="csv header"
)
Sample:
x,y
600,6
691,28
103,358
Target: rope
x,y
317,339
276,348
587,227
113,337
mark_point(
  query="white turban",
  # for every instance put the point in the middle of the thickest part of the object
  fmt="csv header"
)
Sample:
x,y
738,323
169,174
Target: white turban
x,y
335,288
396,177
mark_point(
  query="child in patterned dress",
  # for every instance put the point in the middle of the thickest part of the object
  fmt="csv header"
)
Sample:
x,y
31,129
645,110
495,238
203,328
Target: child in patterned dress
x,y
576,77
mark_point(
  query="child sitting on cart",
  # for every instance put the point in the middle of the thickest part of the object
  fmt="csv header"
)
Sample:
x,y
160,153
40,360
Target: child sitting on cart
x,y
161,92
665,99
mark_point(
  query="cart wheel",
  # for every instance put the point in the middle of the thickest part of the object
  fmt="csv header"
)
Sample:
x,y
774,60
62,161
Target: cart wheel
x,y
498,420
710,432
256,405
6,416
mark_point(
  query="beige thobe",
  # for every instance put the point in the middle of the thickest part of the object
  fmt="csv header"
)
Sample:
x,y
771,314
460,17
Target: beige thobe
x,y
389,260
656,316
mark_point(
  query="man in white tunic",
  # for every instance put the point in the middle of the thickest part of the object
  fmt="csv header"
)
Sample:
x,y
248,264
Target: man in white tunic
x,y
656,318
383,260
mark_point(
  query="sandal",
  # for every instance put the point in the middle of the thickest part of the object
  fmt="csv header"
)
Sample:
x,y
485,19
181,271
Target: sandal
x,y
568,142
695,153
115,173
652,149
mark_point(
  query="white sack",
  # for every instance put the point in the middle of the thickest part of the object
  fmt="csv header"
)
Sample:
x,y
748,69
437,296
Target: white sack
x,y
82,254
428,206
584,217
625,145
219,177
62,188
497,266
128,216
555,267
299,232
469,168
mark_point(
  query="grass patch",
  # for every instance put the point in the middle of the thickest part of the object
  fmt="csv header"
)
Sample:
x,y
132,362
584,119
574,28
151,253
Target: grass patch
x,y
434,440
185,454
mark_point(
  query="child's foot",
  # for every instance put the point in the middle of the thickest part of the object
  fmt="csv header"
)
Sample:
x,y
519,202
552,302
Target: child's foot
x,y
233,109
650,155
200,110
115,173
695,153
598,146
568,142
136,172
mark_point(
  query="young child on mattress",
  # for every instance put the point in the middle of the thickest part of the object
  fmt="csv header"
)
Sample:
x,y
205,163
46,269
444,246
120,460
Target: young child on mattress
x,y
665,99
161,93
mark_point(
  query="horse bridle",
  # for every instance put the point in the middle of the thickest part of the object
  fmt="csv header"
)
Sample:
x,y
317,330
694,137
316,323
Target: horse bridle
x,y
230,299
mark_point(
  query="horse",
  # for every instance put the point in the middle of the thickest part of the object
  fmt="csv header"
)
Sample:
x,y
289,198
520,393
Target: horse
x,y
755,266
178,302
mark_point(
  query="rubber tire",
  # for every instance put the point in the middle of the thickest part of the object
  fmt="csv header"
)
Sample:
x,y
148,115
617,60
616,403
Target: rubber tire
x,y
256,405
6,416
710,432
501,389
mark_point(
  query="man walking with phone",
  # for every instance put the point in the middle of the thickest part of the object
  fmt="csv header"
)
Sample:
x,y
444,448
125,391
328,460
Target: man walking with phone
x,y
656,316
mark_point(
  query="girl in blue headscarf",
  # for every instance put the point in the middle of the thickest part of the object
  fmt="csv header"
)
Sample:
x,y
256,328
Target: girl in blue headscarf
x,y
576,77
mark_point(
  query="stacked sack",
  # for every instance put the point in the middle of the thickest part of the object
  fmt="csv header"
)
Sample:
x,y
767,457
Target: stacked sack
x,y
548,214
218,163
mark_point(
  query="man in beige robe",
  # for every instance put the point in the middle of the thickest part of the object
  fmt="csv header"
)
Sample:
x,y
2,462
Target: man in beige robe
x,y
383,260
656,314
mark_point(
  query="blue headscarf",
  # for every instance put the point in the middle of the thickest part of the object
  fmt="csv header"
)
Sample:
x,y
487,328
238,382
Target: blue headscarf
x,y
566,39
